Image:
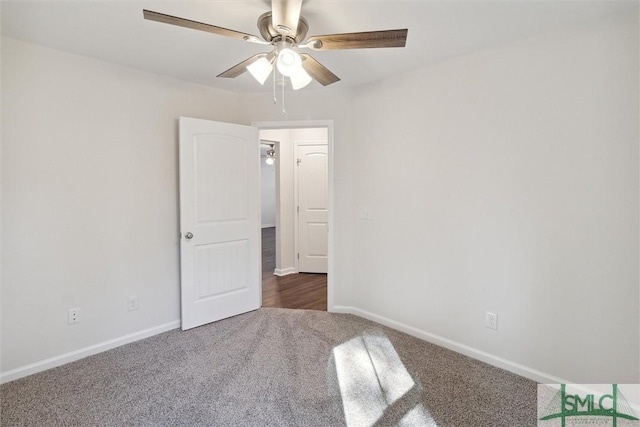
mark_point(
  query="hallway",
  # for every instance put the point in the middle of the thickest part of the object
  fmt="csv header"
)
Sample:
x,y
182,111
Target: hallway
x,y
303,290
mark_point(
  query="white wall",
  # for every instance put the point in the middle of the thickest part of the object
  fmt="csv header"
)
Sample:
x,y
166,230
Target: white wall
x,y
90,190
268,191
507,181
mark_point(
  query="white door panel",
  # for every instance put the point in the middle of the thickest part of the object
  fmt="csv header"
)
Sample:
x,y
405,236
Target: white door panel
x,y
317,239
313,208
219,206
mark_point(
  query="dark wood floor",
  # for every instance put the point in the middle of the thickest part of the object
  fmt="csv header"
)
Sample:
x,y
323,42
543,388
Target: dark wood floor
x,y
303,290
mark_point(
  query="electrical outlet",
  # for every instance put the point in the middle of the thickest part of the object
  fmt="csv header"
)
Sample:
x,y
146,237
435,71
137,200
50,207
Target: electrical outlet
x,y
133,302
491,321
365,213
74,315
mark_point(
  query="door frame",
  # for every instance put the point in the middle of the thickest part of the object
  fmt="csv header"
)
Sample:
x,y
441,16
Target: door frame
x,y
328,124
276,147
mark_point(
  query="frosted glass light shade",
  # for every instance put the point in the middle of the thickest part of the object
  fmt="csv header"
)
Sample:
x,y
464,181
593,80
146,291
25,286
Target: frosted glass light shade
x,y
260,69
271,156
300,79
289,62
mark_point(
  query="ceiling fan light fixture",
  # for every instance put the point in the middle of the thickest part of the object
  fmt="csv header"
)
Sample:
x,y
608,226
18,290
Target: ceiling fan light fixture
x,y
289,62
300,79
260,69
271,156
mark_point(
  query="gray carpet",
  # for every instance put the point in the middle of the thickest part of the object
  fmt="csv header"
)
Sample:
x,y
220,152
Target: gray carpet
x,y
274,367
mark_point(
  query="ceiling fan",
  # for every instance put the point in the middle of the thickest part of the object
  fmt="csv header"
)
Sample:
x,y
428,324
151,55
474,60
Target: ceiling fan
x,y
285,29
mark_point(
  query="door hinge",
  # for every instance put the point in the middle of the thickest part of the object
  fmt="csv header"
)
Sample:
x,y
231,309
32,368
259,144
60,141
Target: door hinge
x,y
298,162
298,255
298,209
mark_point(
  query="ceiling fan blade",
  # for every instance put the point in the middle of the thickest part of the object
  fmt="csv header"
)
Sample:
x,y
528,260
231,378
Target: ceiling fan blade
x,y
369,39
195,25
285,15
240,68
318,71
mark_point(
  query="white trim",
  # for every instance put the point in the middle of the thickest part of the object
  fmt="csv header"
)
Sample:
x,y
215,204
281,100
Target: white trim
x,y
516,368
268,225
284,271
310,142
342,309
72,356
317,124
296,207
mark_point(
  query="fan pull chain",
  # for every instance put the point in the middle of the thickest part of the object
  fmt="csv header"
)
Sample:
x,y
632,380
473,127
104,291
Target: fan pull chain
x,y
274,86
284,112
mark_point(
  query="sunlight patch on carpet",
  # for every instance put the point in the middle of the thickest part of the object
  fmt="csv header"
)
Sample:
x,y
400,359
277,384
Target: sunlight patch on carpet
x,y
374,383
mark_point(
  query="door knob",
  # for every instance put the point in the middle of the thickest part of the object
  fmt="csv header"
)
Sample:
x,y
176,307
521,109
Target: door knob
x,y
188,236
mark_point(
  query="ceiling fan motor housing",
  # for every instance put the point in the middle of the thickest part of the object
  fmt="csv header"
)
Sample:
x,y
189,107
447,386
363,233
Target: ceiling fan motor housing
x,y
270,34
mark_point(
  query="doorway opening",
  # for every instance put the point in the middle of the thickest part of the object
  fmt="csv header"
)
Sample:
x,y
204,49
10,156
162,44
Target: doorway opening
x,y
296,200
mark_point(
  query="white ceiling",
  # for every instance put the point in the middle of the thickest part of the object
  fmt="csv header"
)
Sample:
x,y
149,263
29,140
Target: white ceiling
x,y
115,31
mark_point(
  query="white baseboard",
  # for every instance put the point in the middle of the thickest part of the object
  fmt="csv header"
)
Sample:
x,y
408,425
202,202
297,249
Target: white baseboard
x,y
342,309
284,271
72,356
516,368
268,225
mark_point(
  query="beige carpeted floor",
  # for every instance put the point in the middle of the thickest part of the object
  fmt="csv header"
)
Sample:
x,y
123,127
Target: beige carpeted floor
x,y
274,367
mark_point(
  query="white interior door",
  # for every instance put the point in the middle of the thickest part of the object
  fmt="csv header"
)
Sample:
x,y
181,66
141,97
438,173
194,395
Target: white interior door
x,y
219,221
313,215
